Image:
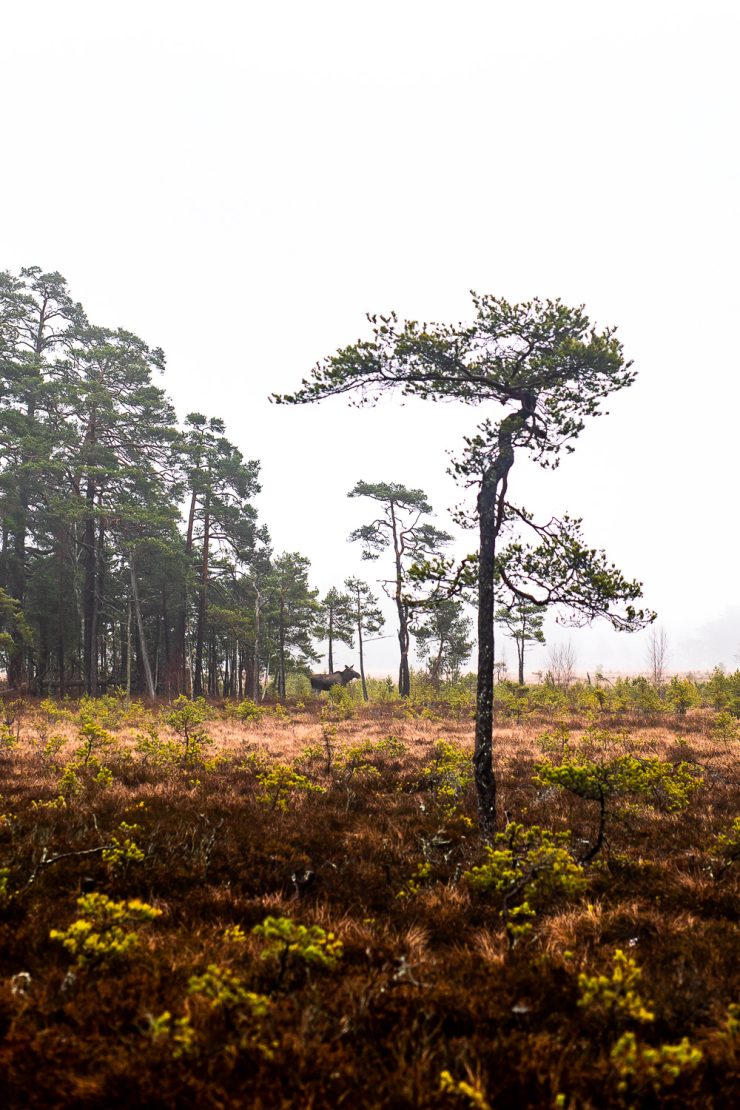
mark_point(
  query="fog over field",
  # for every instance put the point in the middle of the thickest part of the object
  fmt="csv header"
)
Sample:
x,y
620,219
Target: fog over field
x,y
240,183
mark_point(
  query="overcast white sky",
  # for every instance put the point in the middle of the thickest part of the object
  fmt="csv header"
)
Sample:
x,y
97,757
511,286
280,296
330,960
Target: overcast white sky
x,y
240,182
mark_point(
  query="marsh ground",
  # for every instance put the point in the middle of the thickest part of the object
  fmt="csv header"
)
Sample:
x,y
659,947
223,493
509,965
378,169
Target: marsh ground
x,y
358,821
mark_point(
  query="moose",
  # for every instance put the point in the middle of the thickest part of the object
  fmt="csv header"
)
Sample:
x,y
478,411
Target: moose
x,y
321,682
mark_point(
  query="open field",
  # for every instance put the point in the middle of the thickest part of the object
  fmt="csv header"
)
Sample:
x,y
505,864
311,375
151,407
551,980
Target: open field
x,y
153,845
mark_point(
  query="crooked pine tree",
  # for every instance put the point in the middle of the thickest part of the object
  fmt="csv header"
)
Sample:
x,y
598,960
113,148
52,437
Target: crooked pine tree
x,y
547,369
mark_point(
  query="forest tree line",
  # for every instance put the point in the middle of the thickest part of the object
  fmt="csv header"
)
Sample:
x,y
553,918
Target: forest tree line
x,y
131,552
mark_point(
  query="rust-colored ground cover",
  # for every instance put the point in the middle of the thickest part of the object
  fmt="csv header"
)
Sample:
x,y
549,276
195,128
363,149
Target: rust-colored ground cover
x,y
428,1003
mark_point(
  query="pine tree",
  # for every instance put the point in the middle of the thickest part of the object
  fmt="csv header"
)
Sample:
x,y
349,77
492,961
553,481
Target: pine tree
x,y
523,620
399,526
368,619
548,369
336,622
443,636
291,615
221,518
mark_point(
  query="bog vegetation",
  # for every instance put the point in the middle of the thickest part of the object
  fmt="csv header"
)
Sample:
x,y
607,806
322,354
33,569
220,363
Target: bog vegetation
x,y
219,888
286,904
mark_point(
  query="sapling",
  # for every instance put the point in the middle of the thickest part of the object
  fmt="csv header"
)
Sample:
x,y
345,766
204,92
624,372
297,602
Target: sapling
x,y
449,776
279,783
659,784
725,727
123,849
525,867
217,993
726,848
105,930
287,942
682,694
246,711
186,717
419,878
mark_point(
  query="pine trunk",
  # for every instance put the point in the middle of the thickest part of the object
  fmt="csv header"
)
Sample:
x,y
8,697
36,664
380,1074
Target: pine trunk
x,y
362,656
140,629
490,517
202,603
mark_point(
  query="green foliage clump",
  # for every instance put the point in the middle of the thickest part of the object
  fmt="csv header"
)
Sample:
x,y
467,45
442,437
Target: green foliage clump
x,y
682,694
95,738
359,763
234,934
186,717
732,1022
178,1031
470,1090
96,741
547,699
419,878
664,786
524,868
725,727
217,1003
157,750
639,1066
225,990
726,847
343,702
636,695
615,995
458,698
246,711
722,691
287,942
6,894
53,713
448,775
512,701
123,849
279,783
104,931
52,747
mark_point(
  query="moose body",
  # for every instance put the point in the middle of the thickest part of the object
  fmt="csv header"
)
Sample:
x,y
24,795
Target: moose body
x,y
321,682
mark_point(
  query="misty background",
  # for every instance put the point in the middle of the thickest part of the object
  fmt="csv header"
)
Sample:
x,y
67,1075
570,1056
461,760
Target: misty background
x,y
240,183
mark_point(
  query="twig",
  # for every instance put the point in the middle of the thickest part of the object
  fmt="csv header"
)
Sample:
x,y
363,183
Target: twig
x,y
47,861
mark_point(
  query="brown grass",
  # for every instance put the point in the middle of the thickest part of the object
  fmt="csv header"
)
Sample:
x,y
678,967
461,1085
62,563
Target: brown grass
x,y
427,982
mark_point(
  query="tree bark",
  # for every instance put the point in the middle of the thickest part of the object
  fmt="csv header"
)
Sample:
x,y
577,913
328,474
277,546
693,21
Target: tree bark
x,y
490,521
128,651
202,603
365,695
89,596
331,638
140,629
485,781
180,651
254,691
404,639
281,671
